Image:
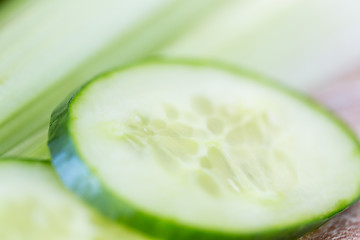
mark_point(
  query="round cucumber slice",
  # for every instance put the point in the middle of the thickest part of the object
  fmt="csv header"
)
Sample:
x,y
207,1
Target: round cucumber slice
x,y
34,205
184,149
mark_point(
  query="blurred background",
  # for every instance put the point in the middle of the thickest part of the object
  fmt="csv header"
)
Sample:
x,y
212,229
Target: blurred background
x,y
50,47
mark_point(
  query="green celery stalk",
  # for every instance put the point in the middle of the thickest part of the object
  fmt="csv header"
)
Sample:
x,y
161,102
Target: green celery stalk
x,y
302,43
48,48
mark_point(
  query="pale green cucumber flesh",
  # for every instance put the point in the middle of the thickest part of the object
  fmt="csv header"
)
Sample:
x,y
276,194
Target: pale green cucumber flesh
x,y
34,205
192,150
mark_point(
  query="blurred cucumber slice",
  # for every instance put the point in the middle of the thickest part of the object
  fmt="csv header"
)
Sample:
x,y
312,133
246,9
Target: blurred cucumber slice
x,y
34,206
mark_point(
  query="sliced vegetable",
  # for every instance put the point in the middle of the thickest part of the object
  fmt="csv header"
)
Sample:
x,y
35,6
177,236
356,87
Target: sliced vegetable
x,y
185,149
34,205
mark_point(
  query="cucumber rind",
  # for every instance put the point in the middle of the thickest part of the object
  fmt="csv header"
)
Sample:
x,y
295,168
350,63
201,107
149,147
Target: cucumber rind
x,y
84,181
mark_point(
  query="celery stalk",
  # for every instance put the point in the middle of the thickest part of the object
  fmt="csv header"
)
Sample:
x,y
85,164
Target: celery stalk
x,y
302,43
48,48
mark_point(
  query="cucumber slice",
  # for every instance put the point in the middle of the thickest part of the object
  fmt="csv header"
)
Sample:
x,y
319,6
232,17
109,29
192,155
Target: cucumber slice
x,y
186,149
34,206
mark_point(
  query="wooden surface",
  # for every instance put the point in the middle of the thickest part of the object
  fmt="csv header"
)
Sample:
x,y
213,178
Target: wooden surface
x,y
346,225
343,97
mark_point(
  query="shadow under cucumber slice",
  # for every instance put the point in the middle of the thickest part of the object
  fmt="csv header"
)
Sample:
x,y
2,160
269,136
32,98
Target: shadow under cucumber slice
x,y
185,149
34,205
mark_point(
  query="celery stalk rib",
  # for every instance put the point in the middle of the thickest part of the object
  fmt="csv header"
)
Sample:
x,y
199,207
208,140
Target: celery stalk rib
x,y
301,43
56,55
